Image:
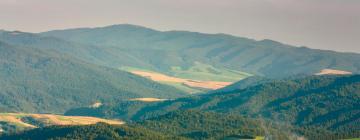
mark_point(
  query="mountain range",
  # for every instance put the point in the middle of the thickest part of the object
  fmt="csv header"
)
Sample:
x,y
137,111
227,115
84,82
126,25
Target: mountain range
x,y
261,89
181,49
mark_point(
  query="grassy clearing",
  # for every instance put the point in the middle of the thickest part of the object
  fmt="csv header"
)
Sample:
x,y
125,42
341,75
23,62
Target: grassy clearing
x,y
188,82
200,71
183,87
198,78
129,69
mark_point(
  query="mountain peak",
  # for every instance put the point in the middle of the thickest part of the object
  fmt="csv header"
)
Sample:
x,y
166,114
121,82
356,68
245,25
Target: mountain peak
x,y
128,27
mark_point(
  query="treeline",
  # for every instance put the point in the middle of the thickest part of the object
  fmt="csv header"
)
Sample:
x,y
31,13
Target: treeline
x,y
209,125
190,124
100,131
330,102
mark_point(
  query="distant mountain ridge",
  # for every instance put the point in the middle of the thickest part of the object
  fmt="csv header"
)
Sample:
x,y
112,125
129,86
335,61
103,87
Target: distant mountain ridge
x,y
180,48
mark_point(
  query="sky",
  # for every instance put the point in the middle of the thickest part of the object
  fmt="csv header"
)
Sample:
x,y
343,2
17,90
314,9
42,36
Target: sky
x,y
321,24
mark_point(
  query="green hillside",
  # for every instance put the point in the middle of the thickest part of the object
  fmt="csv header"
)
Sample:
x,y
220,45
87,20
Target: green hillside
x,y
123,110
48,81
242,84
206,125
161,51
201,72
328,102
104,56
320,107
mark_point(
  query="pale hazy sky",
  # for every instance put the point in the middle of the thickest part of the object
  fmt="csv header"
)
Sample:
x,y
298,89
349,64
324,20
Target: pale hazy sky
x,y
323,24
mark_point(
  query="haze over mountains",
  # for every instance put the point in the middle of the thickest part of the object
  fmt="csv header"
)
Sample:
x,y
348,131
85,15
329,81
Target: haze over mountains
x,y
181,48
67,71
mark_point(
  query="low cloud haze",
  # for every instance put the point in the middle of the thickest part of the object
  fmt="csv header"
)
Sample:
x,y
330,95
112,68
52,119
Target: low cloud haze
x,y
322,24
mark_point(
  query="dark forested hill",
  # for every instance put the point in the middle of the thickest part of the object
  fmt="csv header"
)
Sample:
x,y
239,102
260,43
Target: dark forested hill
x,y
46,80
100,131
189,124
330,102
147,48
209,125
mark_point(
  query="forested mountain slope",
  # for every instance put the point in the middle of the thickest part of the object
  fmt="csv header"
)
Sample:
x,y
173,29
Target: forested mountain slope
x,y
46,80
121,59
331,102
209,125
242,84
189,124
147,48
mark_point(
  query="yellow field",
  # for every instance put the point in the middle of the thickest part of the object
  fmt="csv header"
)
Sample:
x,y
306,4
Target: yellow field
x,y
332,72
148,99
189,82
51,119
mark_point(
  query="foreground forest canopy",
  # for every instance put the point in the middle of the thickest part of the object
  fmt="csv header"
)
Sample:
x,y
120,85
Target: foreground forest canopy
x,y
184,125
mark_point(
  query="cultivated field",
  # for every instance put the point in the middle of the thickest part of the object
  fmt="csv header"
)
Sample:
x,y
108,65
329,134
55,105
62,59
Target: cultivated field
x,y
197,78
20,119
188,82
332,72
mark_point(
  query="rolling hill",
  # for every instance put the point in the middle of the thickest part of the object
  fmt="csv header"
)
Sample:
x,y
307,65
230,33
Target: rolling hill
x,y
163,51
48,81
207,125
102,56
200,125
242,84
328,102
